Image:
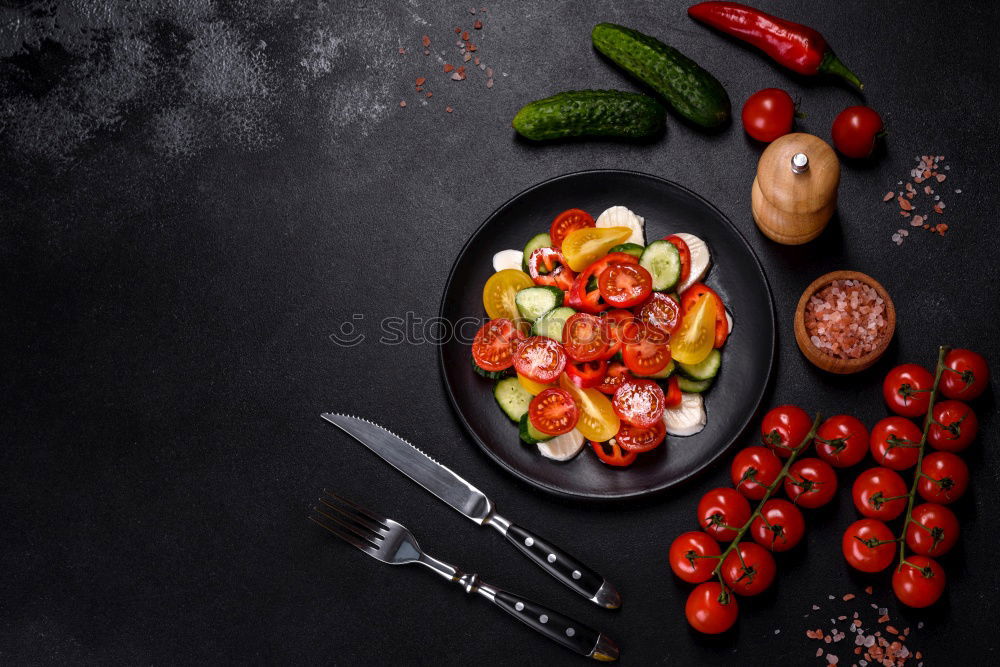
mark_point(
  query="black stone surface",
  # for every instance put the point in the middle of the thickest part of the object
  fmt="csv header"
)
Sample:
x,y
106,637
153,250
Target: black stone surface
x,y
194,198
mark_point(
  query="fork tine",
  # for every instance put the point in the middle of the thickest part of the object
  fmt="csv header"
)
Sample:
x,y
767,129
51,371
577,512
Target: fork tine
x,y
356,529
376,531
344,535
358,508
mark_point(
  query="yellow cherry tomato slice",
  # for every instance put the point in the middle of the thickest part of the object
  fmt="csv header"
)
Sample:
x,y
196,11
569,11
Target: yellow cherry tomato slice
x,y
583,247
694,340
500,290
532,387
598,421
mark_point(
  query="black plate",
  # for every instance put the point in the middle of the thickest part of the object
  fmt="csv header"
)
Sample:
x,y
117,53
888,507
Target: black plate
x,y
735,274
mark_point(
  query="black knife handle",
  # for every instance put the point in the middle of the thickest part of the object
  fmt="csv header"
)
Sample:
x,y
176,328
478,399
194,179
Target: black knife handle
x,y
564,567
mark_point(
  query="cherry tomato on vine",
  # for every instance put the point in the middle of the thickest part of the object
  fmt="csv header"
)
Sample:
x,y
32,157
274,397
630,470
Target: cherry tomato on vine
x,y
944,478
612,454
751,572
880,493
693,556
855,130
638,439
711,609
784,428
868,545
540,358
566,222
722,512
768,114
965,375
954,427
753,470
896,443
639,403
841,441
918,582
907,390
811,483
779,527
933,530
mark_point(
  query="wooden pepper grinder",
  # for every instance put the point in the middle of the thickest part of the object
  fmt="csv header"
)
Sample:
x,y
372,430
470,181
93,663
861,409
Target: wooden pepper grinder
x,y
795,191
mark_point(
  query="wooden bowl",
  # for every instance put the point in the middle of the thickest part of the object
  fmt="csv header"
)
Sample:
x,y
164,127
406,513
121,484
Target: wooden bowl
x,y
821,359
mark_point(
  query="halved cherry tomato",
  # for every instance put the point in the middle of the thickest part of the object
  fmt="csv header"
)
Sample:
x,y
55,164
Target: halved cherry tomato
x,y
674,394
540,358
583,247
661,312
587,374
685,253
625,285
639,403
617,375
568,221
690,298
695,338
644,349
614,320
494,344
637,439
598,421
584,337
500,290
584,294
532,387
553,412
609,452
546,266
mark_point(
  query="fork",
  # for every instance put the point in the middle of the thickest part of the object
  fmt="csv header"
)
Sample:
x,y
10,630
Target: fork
x,y
391,542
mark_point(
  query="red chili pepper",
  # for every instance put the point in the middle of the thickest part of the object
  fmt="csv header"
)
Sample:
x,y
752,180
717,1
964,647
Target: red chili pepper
x,y
797,47
581,297
612,454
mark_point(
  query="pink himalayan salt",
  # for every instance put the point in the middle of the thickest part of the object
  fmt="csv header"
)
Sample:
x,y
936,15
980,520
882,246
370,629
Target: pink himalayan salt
x,y
846,319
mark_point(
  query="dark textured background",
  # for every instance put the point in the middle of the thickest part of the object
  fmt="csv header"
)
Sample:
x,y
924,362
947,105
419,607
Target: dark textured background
x,y
195,197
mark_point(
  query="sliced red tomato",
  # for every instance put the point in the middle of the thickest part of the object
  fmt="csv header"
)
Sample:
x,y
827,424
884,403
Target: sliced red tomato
x,y
616,376
662,312
587,374
644,350
584,337
584,294
494,344
611,453
690,297
625,285
638,440
546,266
639,403
674,394
614,320
685,253
553,411
540,358
566,222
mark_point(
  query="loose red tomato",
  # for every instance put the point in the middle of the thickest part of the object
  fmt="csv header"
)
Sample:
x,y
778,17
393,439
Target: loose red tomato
x,y
625,285
896,443
690,298
661,312
751,571
584,295
693,556
674,393
918,582
540,358
616,376
685,253
944,477
841,441
612,454
768,114
933,530
638,440
907,390
779,526
644,350
546,266
880,493
613,321
494,344
711,609
855,130
584,337
753,470
954,426
639,403
965,375
568,221
722,512
586,374
868,545
553,411
785,428
811,483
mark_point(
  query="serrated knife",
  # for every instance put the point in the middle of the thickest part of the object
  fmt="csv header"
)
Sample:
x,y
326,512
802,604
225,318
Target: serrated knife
x,y
473,503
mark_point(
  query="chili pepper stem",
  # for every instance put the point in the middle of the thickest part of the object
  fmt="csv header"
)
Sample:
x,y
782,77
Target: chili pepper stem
x,y
831,64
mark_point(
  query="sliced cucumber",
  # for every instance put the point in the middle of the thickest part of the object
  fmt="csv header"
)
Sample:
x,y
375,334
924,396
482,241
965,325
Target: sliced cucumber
x,y
512,398
529,433
537,241
667,371
704,370
693,386
508,259
533,302
663,261
633,249
562,447
551,323
489,375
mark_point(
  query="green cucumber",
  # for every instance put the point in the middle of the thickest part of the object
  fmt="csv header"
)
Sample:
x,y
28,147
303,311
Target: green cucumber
x,y
591,113
693,93
667,371
551,323
533,302
692,386
663,261
537,241
703,370
633,249
529,433
489,375
512,398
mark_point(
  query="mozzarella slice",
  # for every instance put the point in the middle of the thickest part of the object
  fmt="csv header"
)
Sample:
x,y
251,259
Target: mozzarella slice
x,y
687,418
508,259
700,260
562,447
619,216
729,321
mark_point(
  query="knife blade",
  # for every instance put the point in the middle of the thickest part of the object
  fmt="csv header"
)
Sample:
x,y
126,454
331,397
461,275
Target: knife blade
x,y
472,503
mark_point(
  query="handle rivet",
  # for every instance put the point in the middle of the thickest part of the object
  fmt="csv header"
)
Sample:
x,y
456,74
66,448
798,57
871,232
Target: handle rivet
x,y
576,574
551,558
519,606
528,541
543,619
570,632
